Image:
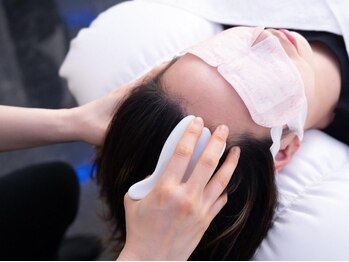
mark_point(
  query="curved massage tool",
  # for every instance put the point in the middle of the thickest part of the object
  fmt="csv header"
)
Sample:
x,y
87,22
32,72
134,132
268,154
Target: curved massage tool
x,y
140,189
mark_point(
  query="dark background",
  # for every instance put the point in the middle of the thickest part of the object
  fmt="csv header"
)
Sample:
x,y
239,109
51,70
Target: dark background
x,y
34,38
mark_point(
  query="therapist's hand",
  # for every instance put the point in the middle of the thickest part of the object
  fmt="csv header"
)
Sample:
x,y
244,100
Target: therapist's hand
x,y
92,120
31,127
170,221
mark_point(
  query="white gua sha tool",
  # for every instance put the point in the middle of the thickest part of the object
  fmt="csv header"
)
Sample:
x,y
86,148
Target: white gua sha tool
x,y
141,189
262,74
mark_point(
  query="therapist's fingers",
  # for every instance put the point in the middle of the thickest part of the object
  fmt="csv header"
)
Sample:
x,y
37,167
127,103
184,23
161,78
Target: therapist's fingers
x,y
221,178
209,159
217,206
184,151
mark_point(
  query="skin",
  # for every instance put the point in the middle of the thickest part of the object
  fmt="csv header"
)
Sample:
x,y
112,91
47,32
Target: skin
x,y
190,79
31,127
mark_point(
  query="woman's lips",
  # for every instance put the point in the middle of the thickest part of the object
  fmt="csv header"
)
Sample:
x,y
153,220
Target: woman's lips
x,y
289,36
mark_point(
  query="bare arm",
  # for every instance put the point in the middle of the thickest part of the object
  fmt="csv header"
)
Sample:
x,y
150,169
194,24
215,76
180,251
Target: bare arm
x,y
29,127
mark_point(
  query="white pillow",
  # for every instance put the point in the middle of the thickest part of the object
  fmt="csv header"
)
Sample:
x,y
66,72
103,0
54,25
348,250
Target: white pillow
x,y
126,41
311,221
130,38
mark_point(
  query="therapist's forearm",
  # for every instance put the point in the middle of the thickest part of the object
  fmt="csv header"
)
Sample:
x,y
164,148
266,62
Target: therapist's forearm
x,y
29,127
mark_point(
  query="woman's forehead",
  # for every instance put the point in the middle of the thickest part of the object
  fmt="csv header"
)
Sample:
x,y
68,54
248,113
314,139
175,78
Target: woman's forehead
x,y
204,92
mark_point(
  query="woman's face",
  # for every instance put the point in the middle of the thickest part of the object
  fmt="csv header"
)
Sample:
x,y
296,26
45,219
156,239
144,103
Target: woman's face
x,y
204,92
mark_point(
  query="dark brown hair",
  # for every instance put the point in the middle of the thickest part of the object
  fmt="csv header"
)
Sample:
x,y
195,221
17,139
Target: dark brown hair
x,y
132,146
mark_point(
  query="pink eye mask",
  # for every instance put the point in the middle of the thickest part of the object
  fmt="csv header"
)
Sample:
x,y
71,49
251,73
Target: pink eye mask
x,y
262,74
264,77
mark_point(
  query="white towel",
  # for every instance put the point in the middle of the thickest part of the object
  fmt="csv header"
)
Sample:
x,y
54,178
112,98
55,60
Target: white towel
x,y
317,15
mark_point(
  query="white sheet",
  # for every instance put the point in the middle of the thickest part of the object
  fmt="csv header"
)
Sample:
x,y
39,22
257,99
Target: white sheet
x,y
318,15
311,221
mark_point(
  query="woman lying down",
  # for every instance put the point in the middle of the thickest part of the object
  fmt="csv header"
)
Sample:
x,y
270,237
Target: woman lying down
x,y
267,85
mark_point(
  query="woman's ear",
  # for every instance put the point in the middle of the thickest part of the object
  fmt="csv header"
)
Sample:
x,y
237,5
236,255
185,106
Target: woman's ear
x,y
289,146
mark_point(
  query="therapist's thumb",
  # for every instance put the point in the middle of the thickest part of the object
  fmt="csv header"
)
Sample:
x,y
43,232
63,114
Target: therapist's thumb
x,y
127,200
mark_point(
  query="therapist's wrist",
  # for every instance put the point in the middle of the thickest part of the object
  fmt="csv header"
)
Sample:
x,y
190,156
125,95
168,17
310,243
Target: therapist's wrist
x,y
74,125
127,254
67,126
79,126
142,252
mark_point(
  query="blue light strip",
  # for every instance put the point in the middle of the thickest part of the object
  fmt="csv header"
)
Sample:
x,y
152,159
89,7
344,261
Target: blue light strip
x,y
81,18
84,172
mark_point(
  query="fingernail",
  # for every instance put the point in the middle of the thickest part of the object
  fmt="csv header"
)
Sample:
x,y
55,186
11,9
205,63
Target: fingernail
x,y
198,121
223,129
235,151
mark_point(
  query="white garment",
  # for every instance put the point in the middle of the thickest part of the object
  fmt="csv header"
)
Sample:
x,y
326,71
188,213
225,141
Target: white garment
x,y
316,15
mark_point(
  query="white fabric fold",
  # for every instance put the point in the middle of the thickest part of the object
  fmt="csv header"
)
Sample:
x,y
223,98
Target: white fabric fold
x,y
317,15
